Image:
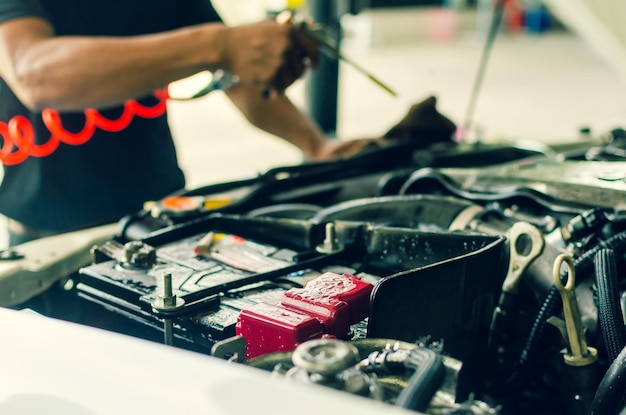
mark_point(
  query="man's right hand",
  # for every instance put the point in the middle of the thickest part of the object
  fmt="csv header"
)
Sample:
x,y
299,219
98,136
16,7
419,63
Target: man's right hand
x,y
268,55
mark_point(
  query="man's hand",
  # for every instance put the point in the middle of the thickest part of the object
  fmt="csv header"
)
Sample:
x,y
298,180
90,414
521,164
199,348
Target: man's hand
x,y
268,55
333,149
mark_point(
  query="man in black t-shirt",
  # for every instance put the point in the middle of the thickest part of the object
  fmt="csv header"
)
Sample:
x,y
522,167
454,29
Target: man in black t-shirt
x,y
71,55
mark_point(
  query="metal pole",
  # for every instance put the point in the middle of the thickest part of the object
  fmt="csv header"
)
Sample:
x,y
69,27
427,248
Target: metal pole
x,y
322,84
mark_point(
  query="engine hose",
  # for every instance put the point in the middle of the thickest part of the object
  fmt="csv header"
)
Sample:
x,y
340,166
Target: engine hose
x,y
18,135
611,389
609,308
428,375
552,303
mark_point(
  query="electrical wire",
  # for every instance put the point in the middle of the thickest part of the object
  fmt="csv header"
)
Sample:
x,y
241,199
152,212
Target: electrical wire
x,y
609,309
551,304
609,393
19,135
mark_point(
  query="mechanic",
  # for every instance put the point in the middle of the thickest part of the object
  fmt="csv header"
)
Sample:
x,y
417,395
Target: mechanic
x,y
71,55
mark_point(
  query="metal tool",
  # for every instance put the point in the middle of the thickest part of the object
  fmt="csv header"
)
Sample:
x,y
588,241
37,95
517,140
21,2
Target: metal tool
x,y
221,81
491,37
318,34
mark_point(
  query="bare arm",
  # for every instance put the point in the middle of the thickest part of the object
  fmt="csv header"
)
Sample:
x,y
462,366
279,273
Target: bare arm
x,y
72,73
280,117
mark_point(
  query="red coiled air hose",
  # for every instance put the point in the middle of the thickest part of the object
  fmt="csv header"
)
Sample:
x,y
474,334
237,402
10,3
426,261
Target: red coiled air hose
x,y
19,136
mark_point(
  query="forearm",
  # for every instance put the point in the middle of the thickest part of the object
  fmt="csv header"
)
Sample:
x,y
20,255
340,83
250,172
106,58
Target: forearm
x,y
73,73
280,117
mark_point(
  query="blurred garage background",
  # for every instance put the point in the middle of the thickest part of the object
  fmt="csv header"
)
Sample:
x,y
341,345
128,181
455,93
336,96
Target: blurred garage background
x,y
556,67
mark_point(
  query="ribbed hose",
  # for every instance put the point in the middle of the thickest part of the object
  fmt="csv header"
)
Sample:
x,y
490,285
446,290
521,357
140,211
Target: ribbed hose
x,y
552,303
611,389
609,308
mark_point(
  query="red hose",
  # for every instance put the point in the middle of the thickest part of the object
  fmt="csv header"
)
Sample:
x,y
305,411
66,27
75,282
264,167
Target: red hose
x,y
19,136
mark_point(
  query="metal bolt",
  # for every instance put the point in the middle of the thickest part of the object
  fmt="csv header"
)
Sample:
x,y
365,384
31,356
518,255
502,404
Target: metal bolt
x,y
330,244
167,301
139,255
325,357
167,284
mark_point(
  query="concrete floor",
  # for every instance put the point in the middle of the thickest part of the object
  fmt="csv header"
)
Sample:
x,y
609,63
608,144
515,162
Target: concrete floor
x,y
537,87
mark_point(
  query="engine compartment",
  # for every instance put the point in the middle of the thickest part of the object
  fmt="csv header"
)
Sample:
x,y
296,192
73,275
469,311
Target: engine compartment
x,y
451,279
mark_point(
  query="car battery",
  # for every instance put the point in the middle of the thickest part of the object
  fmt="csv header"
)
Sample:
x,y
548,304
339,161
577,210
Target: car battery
x,y
215,283
221,268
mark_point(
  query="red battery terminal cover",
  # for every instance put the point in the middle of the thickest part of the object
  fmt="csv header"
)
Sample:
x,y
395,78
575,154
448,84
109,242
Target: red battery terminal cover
x,y
338,301
324,308
270,328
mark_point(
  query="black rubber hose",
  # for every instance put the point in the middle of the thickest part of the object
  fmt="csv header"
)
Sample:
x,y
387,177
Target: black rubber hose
x,y
425,381
607,399
552,303
609,308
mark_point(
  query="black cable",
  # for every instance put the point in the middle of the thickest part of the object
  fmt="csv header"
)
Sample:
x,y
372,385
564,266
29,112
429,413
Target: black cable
x,y
609,308
611,389
425,381
552,303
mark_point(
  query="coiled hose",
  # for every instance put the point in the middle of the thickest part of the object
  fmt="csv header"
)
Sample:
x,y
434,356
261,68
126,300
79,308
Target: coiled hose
x,y
552,303
18,135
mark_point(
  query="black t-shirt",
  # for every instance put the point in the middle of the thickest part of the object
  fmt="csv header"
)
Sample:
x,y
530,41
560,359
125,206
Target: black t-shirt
x,y
113,173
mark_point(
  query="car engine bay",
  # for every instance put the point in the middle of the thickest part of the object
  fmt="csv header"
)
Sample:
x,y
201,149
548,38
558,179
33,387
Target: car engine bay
x,y
444,278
